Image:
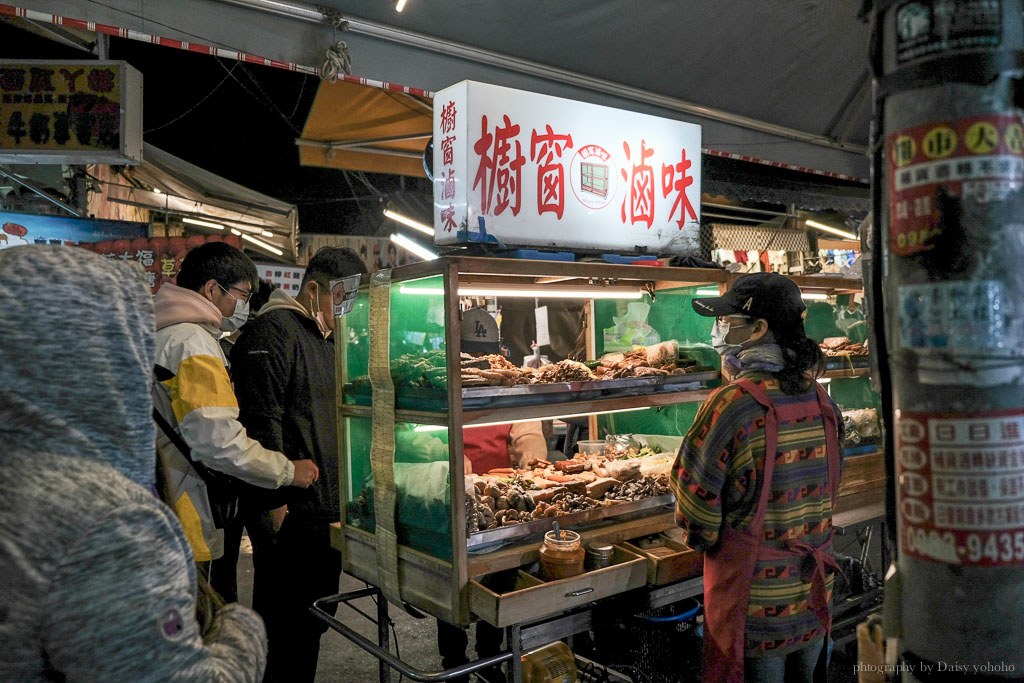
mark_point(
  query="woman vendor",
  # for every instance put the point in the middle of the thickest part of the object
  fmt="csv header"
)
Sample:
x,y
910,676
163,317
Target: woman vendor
x,y
756,482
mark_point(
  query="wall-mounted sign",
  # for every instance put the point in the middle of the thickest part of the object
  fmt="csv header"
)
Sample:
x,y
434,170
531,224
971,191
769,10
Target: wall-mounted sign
x,y
18,229
70,112
159,257
524,169
287,278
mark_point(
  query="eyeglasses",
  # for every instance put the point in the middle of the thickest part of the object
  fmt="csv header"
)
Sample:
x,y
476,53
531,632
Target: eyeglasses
x,y
246,293
724,320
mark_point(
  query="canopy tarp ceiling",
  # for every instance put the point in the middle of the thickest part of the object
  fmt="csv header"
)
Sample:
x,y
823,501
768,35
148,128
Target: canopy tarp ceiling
x,y
361,128
187,190
780,80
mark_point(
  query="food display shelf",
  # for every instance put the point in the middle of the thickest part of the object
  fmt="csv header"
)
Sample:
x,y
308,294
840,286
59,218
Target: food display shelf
x,y
542,410
526,530
419,398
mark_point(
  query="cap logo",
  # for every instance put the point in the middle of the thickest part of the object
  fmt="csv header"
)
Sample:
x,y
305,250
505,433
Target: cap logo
x,y
750,302
478,329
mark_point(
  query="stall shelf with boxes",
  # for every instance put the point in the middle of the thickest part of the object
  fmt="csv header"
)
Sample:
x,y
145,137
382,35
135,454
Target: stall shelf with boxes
x,y
412,522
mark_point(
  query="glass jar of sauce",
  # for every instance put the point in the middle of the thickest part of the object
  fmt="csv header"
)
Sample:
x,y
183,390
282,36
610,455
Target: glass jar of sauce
x,y
561,556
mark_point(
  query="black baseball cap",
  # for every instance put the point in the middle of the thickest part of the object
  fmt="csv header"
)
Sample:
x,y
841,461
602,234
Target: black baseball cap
x,y
770,296
479,332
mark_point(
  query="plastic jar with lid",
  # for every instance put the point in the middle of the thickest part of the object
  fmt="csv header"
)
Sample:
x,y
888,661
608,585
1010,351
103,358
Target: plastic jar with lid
x,y
561,556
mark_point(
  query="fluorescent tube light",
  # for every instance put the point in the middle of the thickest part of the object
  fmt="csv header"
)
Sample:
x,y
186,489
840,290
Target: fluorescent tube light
x,y
814,296
405,220
205,224
262,245
413,247
400,5
828,228
266,233
532,291
706,292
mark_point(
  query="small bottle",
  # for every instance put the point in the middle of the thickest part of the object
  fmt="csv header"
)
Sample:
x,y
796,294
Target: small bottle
x,y
561,555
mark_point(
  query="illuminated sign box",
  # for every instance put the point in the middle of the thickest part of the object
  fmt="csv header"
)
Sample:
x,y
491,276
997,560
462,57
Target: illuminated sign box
x,y
521,169
70,112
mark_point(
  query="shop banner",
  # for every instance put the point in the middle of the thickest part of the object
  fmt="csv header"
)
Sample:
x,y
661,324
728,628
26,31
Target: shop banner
x,y
376,252
978,156
79,112
159,257
961,487
287,278
18,229
521,169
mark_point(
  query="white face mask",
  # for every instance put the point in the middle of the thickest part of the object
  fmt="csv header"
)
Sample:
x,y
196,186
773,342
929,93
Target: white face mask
x,y
718,334
236,319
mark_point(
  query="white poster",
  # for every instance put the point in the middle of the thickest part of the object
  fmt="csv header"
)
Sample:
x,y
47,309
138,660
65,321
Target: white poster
x,y
522,169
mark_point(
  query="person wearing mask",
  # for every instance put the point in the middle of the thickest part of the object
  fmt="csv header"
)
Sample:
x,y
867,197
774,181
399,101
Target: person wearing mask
x,y
484,449
284,373
195,407
224,570
99,583
756,481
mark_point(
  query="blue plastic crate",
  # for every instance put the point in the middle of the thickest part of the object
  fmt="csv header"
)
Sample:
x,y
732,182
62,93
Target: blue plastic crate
x,y
537,255
627,258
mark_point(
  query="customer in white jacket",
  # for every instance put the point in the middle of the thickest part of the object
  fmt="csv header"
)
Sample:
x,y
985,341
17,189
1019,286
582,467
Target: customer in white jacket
x,y
98,582
194,398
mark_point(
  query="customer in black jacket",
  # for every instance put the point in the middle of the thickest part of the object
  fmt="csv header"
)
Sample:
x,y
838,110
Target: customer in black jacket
x,y
283,369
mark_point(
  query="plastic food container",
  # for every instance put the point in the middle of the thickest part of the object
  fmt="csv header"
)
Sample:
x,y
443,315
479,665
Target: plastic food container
x,y
590,446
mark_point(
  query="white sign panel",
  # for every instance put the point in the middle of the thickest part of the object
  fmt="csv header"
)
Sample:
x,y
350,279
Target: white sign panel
x,y
523,169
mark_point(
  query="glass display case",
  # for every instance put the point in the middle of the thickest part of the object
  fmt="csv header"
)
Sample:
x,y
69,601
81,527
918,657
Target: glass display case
x,y
411,520
404,400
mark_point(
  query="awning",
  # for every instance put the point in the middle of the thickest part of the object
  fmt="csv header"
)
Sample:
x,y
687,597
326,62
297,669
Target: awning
x,y
360,128
164,183
784,81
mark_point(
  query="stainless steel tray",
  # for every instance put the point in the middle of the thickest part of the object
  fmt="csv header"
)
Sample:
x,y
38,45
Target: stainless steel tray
x,y
517,390
637,508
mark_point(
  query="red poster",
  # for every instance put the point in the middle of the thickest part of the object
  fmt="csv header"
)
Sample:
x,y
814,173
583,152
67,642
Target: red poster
x,y
980,157
160,257
961,487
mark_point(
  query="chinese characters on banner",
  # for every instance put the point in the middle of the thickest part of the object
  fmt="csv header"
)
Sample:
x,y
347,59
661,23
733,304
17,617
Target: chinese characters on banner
x,y
535,170
980,157
286,278
961,487
66,107
159,257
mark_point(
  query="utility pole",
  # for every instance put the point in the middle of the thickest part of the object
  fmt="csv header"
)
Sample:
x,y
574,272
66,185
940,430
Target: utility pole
x,y
948,272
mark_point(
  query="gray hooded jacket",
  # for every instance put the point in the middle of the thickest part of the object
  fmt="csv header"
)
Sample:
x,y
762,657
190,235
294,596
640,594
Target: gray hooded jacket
x,y
97,582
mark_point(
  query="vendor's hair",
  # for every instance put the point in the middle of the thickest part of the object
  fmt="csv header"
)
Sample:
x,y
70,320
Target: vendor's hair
x,y
804,361
216,261
332,263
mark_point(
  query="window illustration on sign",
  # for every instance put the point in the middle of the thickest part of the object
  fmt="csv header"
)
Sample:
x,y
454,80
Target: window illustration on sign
x,y
594,179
